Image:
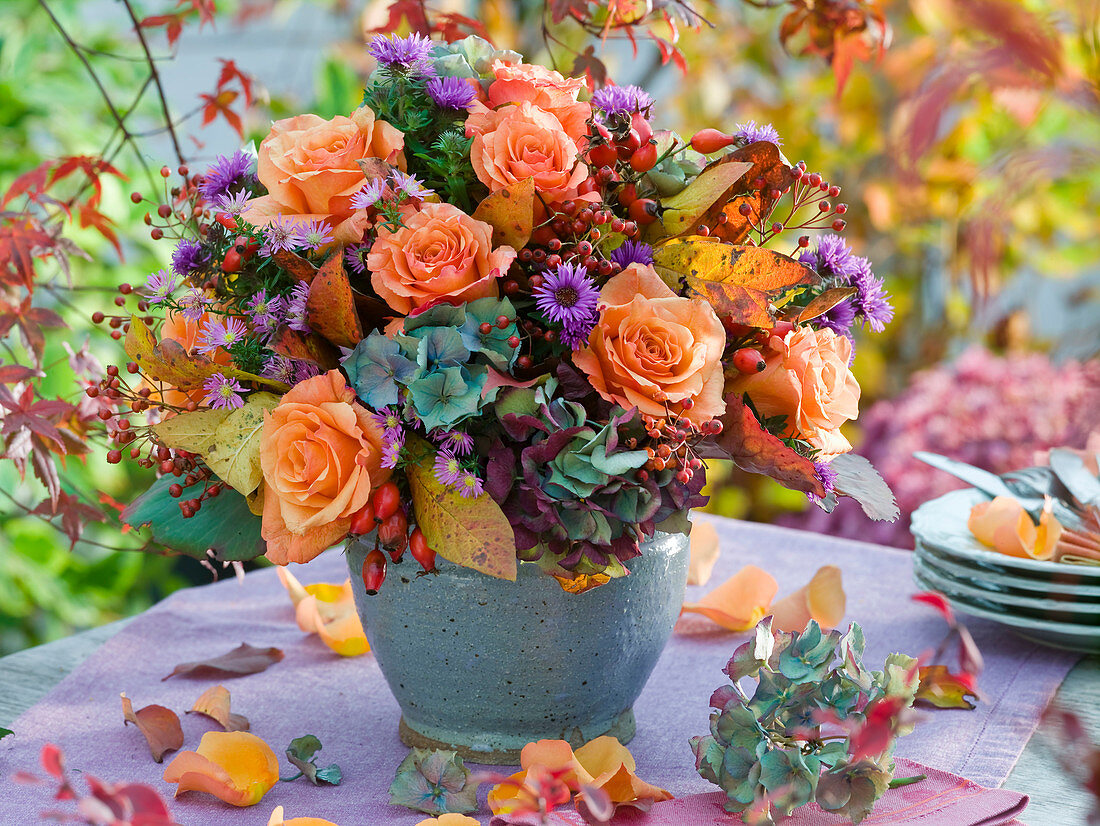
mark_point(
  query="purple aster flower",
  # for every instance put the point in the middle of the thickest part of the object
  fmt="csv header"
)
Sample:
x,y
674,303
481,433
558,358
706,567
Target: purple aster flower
x,y
409,184
214,334
621,101
355,256
315,235
305,370
839,318
296,308
223,393
193,304
370,194
751,132
391,453
827,476
457,442
389,420
447,469
832,257
412,54
280,235
451,92
227,171
632,252
235,204
469,486
575,334
279,368
567,295
871,300
265,311
159,286
188,257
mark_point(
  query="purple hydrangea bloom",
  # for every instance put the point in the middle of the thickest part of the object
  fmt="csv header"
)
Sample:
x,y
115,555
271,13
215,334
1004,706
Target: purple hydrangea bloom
x,y
447,468
632,252
214,334
280,235
411,55
223,393
315,235
279,368
871,300
451,93
159,286
567,295
188,257
296,308
620,101
226,172
469,485
751,132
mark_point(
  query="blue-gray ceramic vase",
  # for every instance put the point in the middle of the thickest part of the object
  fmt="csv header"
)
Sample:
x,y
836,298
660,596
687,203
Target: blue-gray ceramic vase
x,y
485,666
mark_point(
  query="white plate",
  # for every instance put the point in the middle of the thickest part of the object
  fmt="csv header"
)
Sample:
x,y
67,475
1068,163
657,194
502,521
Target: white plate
x,y
1059,634
983,577
942,522
1065,609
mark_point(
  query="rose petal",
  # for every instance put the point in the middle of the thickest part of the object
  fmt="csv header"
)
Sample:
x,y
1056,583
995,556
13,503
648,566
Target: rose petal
x,y
603,755
160,725
277,820
214,703
623,786
704,552
234,766
1004,525
821,599
740,602
448,819
555,755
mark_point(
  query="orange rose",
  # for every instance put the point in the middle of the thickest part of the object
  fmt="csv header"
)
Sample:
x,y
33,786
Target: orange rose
x,y
546,89
309,166
320,452
514,143
653,350
440,253
807,380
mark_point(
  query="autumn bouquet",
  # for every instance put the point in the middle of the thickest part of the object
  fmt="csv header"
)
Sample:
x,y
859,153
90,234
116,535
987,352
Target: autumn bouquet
x,y
491,314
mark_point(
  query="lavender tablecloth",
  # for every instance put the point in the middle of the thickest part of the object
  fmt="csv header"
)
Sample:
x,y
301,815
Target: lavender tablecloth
x,y
346,703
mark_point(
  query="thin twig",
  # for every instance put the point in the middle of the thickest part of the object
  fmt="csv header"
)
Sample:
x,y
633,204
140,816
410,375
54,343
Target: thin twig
x,y
156,80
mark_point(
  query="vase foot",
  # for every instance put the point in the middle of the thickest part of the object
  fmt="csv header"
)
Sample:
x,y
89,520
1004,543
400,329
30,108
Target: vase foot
x,y
497,752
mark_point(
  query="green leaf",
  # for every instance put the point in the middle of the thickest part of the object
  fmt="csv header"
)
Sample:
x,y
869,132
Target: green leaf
x,y
683,210
193,432
302,753
234,451
4,732
472,532
433,782
223,525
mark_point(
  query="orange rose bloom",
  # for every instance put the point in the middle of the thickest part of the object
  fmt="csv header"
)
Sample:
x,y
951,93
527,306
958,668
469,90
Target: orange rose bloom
x,y
321,456
653,350
807,380
546,89
309,166
514,143
440,253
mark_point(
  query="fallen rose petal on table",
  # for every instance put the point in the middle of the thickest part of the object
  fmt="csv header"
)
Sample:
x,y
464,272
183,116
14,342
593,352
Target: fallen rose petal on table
x,y
159,725
234,766
821,599
704,552
556,755
214,703
1005,526
740,602
449,819
327,610
276,819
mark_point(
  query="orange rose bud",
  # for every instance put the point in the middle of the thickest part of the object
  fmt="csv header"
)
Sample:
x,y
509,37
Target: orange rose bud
x,y
707,141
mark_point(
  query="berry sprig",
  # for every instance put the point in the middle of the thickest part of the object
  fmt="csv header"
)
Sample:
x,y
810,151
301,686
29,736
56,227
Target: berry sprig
x,y
808,190
385,514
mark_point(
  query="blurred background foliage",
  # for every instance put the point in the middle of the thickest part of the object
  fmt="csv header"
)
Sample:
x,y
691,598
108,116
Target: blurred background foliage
x,y
969,155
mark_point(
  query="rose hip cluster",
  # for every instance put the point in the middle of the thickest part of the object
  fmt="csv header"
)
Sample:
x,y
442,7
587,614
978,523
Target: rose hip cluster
x,y
386,516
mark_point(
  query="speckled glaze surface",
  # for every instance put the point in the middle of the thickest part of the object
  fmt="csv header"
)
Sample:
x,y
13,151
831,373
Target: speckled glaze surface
x,y
485,666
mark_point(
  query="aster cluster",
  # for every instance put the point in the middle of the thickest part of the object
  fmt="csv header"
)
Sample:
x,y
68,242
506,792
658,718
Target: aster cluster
x,y
839,267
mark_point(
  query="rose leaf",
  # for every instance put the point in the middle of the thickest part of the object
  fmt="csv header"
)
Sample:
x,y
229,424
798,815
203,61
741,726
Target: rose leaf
x,y
330,307
159,725
242,660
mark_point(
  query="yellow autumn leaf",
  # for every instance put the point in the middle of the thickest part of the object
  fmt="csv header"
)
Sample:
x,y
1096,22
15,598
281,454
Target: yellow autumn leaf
x,y
234,454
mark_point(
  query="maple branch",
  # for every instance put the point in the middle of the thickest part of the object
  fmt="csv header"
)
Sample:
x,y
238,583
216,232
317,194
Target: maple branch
x,y
156,80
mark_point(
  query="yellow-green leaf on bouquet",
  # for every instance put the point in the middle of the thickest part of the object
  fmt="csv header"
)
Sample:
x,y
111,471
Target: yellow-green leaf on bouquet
x,y
510,212
234,452
683,210
472,532
193,432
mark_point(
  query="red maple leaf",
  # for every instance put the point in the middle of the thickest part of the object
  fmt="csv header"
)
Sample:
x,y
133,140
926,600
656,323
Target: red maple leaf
x,y
413,12
73,513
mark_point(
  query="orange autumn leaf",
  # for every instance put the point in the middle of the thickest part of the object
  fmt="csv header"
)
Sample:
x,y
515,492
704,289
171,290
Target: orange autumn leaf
x,y
821,599
234,766
740,602
704,552
159,725
276,819
214,703
327,610
1004,525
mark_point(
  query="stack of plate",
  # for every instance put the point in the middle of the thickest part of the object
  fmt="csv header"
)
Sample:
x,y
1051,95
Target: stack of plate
x,y
1050,602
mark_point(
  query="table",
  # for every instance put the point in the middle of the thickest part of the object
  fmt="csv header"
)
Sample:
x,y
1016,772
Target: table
x,y
28,675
